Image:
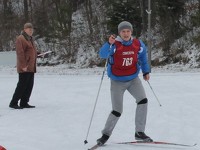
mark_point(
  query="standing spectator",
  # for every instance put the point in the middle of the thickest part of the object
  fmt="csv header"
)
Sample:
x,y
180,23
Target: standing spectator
x,y
26,67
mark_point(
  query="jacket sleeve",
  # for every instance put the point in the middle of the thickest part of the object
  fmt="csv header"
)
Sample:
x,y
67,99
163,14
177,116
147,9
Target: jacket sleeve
x,y
20,53
142,57
105,50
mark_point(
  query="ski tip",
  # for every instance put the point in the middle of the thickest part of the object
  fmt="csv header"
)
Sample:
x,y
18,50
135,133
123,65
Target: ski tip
x,y
2,148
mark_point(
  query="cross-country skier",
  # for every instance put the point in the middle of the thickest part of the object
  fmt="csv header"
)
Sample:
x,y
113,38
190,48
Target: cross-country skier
x,y
127,56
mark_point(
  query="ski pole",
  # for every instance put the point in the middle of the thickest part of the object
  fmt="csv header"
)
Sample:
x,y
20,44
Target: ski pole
x,y
96,99
154,93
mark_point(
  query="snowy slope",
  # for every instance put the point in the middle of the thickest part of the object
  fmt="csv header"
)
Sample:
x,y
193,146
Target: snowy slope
x,y
8,58
65,102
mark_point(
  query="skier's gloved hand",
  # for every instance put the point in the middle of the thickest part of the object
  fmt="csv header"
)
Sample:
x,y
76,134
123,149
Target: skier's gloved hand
x,y
111,39
146,76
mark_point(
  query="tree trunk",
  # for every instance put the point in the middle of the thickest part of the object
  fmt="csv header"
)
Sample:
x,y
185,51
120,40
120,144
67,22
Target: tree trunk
x,y
57,3
88,15
142,11
31,10
199,9
26,18
5,9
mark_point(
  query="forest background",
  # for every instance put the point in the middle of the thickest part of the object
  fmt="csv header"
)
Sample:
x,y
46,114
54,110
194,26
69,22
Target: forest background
x,y
75,29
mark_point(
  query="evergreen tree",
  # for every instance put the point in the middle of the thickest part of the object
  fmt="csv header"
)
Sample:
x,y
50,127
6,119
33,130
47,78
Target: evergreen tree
x,y
169,12
124,10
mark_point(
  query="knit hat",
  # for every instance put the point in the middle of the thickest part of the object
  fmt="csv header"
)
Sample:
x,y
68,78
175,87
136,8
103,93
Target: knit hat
x,y
125,25
28,25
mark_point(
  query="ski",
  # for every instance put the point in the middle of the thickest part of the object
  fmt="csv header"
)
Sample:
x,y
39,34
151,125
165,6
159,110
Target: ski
x,y
94,147
157,142
143,142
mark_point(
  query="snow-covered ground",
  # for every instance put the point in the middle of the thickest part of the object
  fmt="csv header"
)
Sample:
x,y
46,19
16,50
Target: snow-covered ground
x,y
8,58
64,100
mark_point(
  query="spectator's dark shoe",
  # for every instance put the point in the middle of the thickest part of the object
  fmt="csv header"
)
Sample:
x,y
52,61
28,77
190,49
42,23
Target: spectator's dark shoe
x,y
27,106
141,136
15,106
101,141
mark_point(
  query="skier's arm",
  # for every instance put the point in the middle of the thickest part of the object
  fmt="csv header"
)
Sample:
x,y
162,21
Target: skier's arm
x,y
144,61
104,50
107,47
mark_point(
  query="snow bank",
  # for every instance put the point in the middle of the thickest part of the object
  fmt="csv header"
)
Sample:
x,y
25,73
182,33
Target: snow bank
x,y
8,58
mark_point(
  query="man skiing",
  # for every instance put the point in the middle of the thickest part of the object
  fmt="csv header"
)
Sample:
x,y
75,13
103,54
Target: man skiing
x,y
126,56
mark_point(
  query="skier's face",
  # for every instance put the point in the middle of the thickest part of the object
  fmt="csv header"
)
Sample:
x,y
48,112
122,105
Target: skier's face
x,y
125,34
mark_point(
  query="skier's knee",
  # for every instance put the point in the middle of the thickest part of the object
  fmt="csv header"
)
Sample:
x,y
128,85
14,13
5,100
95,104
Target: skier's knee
x,y
115,113
143,101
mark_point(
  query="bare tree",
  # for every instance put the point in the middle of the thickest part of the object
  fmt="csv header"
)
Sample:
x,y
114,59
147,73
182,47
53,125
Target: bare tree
x,y
26,14
89,15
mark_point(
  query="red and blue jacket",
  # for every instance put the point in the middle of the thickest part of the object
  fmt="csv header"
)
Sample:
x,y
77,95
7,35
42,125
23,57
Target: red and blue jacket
x,y
125,59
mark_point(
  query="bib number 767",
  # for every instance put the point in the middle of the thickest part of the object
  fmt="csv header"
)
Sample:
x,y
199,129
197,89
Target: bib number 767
x,y
127,61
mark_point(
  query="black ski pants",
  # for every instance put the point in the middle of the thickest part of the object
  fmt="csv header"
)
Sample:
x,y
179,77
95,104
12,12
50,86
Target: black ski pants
x,y
24,89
